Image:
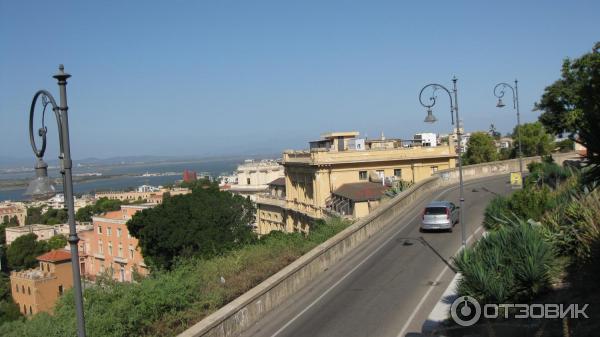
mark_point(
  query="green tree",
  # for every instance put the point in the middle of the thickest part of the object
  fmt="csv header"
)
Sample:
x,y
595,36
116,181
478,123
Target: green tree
x,y
55,216
57,242
535,141
7,222
480,149
572,104
206,222
52,216
22,253
34,215
102,205
9,311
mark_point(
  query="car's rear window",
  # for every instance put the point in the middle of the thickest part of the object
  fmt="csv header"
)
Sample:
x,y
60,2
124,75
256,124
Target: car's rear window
x,y
435,210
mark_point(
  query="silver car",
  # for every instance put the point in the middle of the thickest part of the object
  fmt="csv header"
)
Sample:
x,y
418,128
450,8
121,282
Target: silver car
x,y
440,215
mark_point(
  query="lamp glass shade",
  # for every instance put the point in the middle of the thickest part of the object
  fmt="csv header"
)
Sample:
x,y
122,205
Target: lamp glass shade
x,y
500,103
40,187
430,117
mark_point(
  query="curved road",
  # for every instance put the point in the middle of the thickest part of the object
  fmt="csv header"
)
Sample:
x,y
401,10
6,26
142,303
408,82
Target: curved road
x,y
390,283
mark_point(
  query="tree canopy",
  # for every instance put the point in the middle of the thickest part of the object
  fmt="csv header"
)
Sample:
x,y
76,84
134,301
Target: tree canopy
x,y
480,149
206,222
102,205
572,104
22,253
535,141
52,216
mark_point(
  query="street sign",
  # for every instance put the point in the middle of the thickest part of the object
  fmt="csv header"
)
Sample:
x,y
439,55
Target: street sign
x,y
516,180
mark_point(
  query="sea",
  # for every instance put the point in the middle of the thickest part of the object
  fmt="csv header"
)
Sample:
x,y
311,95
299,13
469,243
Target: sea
x,y
125,175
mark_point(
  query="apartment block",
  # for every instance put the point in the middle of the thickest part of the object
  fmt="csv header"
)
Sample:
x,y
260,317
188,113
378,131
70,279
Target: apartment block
x,y
344,174
109,247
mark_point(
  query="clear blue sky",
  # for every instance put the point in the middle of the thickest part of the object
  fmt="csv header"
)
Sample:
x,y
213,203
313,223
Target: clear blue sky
x,y
238,77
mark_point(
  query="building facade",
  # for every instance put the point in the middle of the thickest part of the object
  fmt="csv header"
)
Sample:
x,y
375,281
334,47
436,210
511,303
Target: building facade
x,y
317,179
189,176
10,210
43,232
149,195
253,177
110,249
36,290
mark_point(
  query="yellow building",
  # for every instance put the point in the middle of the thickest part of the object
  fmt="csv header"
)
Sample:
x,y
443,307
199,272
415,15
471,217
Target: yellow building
x,y
347,175
36,290
10,210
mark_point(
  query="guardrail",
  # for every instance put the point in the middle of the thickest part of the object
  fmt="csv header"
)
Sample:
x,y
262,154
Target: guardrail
x,y
245,310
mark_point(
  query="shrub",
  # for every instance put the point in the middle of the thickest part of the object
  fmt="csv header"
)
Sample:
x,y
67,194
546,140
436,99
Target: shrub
x,y
574,225
513,263
167,302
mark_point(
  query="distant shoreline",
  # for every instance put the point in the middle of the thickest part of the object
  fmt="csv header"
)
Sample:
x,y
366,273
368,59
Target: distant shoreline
x,y
10,185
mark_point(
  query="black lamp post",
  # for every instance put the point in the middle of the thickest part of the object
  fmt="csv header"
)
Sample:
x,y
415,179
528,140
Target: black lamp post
x,y
41,188
431,119
499,93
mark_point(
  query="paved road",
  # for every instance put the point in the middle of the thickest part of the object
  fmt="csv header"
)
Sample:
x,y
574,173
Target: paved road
x,y
389,284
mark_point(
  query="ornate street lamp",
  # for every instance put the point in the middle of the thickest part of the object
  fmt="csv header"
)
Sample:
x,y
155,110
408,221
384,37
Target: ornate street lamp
x,y
499,93
41,187
431,119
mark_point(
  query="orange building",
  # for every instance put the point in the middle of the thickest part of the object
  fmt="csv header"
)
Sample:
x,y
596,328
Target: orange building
x,y
36,290
109,248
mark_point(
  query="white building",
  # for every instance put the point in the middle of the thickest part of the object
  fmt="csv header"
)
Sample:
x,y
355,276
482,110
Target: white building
x,y
148,188
426,139
43,232
254,176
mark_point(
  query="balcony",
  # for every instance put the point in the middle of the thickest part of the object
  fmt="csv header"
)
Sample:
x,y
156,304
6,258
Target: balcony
x,y
268,199
319,156
121,260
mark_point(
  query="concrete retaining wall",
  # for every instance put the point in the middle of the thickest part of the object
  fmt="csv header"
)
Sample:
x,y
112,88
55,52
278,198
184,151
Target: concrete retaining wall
x,y
244,311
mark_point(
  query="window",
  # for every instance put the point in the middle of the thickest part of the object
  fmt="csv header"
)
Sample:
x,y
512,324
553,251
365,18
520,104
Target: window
x,y
120,252
28,290
99,229
60,290
109,231
247,181
398,173
362,175
30,311
100,247
23,289
118,232
434,169
130,251
24,309
110,248
17,287
102,267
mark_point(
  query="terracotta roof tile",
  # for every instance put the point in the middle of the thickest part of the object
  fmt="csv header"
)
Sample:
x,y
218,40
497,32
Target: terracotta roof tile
x,y
361,191
55,256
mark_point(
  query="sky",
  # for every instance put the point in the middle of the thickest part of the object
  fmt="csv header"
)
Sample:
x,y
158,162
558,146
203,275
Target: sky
x,y
209,78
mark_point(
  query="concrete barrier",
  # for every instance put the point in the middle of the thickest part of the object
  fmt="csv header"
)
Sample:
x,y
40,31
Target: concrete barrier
x,y
244,311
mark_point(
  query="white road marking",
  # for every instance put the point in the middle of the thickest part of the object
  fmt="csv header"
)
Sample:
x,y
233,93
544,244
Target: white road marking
x,y
424,298
360,264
